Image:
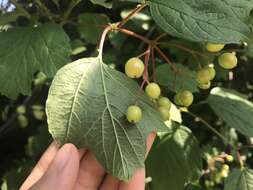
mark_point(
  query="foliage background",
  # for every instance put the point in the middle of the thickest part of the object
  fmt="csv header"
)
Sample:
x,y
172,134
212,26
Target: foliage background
x,y
23,128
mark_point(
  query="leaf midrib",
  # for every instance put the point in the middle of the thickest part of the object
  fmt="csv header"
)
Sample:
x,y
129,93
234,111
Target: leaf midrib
x,y
111,116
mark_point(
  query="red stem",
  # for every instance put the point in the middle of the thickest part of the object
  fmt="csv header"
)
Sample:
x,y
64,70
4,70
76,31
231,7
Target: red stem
x,y
142,54
165,58
131,33
153,63
145,74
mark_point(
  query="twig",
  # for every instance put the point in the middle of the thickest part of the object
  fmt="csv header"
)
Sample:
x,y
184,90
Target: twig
x,y
153,63
131,33
207,125
132,13
179,46
165,58
159,37
102,41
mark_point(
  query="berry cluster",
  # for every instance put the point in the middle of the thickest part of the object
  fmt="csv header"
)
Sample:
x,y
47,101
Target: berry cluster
x,y
134,68
226,60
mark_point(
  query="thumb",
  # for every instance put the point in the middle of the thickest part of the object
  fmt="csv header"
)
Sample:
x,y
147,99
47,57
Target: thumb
x,y
63,171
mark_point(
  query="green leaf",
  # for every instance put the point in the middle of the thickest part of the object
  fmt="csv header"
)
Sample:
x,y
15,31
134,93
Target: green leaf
x,y
233,108
23,51
174,159
176,81
91,26
86,106
103,3
204,20
240,180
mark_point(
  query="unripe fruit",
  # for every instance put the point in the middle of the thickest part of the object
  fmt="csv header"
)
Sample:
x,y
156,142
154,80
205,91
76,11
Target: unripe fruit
x,y
185,98
230,158
212,72
134,114
177,100
214,47
165,113
203,76
153,90
228,60
134,67
224,173
225,167
164,102
205,86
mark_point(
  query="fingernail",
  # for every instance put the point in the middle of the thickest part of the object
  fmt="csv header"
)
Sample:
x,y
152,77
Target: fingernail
x,y
63,156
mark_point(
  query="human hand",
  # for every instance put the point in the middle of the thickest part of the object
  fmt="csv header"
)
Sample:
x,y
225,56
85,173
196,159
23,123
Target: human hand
x,y
70,169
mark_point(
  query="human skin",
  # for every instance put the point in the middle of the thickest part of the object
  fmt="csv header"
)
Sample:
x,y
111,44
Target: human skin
x,y
68,168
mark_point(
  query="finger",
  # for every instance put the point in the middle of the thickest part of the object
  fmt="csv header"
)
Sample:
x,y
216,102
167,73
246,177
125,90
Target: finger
x,y
82,153
63,171
110,183
138,180
150,141
41,166
91,173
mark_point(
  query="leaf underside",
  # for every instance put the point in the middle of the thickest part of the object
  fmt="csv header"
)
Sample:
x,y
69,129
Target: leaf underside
x,y
86,106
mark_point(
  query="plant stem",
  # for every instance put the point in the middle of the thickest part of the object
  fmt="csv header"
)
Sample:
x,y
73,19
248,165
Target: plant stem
x,y
179,46
142,54
68,12
207,125
132,13
131,33
239,159
165,58
147,56
160,36
102,41
153,63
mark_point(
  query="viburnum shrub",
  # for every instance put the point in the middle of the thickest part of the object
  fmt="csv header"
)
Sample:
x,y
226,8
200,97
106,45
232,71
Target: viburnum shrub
x,y
120,70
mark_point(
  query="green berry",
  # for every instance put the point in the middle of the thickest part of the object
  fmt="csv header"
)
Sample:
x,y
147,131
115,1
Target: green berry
x,y
177,100
203,76
212,72
228,60
225,167
224,173
134,67
165,113
184,98
21,109
153,90
164,102
214,47
230,158
134,114
205,86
